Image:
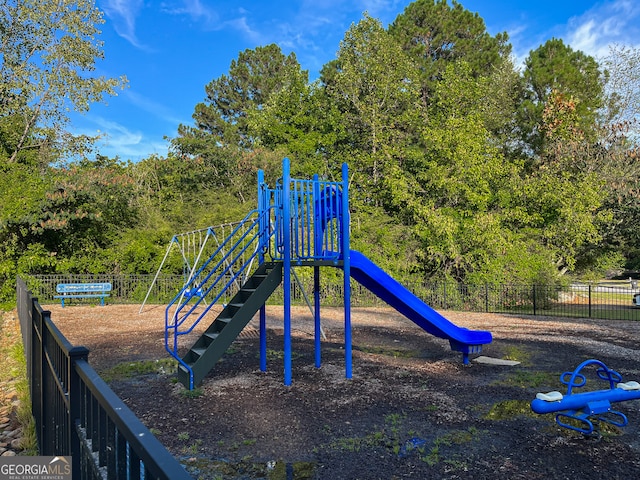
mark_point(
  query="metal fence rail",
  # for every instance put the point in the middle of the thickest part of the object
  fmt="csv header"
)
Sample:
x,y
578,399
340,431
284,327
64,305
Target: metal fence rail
x,y
77,414
613,302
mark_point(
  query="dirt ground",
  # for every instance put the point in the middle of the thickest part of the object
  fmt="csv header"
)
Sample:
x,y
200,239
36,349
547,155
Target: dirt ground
x,y
411,410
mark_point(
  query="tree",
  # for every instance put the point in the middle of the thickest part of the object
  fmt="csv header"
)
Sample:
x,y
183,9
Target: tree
x,y
86,206
458,193
221,128
436,33
49,49
301,121
377,90
623,85
593,146
63,220
617,154
555,68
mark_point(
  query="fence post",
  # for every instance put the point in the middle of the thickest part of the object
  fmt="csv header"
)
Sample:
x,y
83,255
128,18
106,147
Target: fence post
x,y
534,299
37,372
589,300
75,407
444,294
486,297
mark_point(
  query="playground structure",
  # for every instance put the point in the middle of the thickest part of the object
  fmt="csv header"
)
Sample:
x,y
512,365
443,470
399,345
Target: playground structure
x,y
583,407
297,223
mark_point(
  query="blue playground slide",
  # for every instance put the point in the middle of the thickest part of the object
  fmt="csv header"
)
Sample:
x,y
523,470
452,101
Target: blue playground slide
x,y
376,280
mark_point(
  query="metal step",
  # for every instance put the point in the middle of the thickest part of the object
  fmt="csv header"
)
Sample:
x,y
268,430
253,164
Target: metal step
x,y
226,327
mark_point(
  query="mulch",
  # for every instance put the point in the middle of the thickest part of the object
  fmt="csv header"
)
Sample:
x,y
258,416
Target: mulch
x,y
411,409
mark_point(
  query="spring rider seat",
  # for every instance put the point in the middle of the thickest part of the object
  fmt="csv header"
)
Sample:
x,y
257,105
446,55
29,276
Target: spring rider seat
x,y
583,407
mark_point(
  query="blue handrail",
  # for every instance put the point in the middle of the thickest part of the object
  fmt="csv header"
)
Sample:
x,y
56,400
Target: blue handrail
x,y
233,258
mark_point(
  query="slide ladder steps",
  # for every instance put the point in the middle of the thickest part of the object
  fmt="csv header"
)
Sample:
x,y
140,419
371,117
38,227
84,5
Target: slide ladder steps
x,y
226,327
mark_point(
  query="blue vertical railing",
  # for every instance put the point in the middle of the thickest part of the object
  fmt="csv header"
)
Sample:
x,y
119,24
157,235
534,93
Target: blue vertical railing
x,y
314,219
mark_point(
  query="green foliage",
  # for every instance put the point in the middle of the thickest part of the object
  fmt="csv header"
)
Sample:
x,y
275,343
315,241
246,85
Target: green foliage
x,y
303,123
140,251
384,240
456,194
49,50
377,113
556,68
461,168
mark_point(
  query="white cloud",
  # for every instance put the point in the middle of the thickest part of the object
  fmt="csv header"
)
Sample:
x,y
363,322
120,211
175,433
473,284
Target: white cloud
x,y
593,32
193,9
118,140
614,22
157,109
123,14
241,25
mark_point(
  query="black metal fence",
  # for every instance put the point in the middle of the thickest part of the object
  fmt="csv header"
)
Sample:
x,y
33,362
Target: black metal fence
x,y
606,300
77,414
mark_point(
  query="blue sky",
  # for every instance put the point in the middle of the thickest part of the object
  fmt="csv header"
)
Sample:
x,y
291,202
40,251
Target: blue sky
x,y
170,49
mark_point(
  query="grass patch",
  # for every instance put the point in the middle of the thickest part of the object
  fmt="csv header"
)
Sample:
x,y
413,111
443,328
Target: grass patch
x,y
600,429
518,354
125,370
457,437
400,442
387,437
510,409
273,355
195,393
246,468
529,379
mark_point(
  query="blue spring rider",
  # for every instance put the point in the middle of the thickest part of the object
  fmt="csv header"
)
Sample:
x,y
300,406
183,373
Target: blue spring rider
x,y
583,407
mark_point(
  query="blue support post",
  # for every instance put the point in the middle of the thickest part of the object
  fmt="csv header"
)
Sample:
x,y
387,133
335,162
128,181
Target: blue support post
x,y
344,230
263,212
317,253
263,339
286,231
317,219
316,312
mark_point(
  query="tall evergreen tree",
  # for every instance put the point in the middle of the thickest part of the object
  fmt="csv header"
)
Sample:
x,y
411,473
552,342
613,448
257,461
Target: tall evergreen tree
x,y
436,33
221,131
